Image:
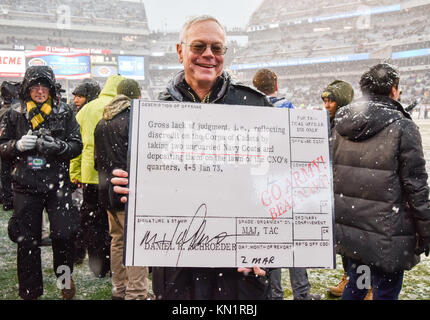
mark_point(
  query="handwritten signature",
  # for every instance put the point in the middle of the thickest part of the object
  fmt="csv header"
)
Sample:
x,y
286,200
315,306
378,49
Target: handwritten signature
x,y
193,234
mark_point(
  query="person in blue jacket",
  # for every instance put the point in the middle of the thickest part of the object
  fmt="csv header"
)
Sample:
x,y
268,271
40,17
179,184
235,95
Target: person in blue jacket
x,y
266,81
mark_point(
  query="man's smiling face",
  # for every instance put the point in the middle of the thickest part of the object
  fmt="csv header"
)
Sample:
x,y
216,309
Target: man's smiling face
x,y
202,69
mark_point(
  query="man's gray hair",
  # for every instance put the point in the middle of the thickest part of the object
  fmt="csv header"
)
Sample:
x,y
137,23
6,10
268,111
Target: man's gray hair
x,y
196,19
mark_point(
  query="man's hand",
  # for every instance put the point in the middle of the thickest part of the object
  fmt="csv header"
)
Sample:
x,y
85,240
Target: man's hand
x,y
120,180
257,270
48,146
27,142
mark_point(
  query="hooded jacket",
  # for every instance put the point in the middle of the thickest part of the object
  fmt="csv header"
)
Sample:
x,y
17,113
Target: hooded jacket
x,y
82,167
380,184
61,123
32,76
111,148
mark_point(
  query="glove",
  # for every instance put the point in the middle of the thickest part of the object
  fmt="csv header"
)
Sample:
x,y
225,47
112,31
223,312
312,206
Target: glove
x,y
423,246
48,146
27,142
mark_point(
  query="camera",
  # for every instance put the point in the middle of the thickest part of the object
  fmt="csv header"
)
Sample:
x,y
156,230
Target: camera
x,y
42,132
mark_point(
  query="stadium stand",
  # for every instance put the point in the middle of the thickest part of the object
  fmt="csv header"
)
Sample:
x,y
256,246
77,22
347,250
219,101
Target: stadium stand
x,y
308,45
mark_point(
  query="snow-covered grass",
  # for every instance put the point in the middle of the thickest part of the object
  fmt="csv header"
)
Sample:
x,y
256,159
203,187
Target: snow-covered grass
x,y
416,284
88,286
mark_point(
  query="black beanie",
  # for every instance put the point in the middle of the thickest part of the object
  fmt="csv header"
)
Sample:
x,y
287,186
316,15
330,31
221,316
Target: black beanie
x,y
42,81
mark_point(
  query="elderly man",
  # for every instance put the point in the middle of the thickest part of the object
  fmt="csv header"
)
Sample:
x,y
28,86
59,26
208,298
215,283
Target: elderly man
x,y
201,50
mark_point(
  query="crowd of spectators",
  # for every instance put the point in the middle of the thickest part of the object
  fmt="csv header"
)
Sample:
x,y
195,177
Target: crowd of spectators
x,y
395,31
69,38
128,14
333,37
399,30
272,11
304,92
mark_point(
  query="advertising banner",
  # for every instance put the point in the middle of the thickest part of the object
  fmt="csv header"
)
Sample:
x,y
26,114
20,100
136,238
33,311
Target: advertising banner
x,y
64,65
72,50
132,67
12,64
103,71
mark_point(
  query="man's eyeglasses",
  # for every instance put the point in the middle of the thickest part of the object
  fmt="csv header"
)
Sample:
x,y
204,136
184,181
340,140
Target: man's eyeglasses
x,y
199,47
38,87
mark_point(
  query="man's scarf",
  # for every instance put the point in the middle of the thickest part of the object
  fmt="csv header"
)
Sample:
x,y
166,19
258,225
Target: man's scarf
x,y
37,115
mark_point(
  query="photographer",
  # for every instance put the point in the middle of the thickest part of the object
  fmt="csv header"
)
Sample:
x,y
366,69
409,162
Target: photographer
x,y
41,135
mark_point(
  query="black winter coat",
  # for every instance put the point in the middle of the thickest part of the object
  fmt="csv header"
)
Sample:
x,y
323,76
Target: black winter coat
x,y
111,148
380,184
175,283
63,126
225,91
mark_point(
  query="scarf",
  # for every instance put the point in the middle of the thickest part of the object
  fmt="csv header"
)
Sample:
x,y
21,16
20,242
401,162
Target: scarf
x,y
37,115
185,88
116,106
204,100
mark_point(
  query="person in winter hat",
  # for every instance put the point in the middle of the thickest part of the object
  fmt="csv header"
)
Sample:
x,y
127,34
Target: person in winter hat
x,y
40,135
266,81
338,94
110,152
85,92
382,220
94,220
129,88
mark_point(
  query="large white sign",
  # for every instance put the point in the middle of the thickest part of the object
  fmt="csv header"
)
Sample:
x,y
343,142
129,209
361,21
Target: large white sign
x,y
229,186
12,64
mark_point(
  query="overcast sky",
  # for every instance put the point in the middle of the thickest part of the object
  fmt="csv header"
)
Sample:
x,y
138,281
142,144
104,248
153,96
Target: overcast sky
x,y
169,15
